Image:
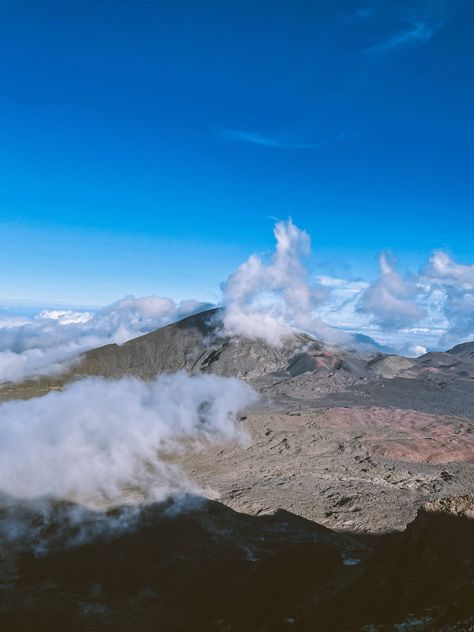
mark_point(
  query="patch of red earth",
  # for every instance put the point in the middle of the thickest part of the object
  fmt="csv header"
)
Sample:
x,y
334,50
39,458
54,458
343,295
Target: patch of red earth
x,y
405,435
429,370
326,360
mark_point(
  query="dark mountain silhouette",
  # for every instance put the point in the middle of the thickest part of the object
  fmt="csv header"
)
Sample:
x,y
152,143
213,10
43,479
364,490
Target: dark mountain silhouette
x,y
211,568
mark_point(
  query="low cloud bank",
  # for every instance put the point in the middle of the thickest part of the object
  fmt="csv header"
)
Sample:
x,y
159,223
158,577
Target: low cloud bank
x,y
267,297
454,284
438,299
105,443
46,344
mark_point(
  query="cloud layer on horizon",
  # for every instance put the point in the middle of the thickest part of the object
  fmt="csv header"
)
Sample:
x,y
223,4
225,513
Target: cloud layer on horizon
x,y
454,284
439,298
267,297
46,344
391,300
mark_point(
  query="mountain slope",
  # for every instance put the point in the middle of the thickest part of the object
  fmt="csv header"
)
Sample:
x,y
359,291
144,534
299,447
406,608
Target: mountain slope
x,y
195,345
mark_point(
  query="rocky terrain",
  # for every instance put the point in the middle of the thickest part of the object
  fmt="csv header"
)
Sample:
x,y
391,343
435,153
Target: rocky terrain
x,y
307,526
211,568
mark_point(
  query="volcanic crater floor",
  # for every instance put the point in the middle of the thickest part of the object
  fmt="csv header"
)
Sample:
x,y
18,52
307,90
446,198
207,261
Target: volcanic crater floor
x,y
358,468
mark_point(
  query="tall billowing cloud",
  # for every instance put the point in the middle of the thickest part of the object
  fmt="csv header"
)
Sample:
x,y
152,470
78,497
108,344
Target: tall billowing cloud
x,y
454,283
103,443
270,300
443,269
391,300
266,298
46,344
436,304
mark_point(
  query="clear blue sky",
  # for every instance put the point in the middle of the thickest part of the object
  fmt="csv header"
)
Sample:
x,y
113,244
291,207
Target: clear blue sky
x,y
145,146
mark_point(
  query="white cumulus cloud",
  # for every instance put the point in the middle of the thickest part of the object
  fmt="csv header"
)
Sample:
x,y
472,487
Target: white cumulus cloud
x,y
103,443
46,344
391,300
453,284
270,300
266,298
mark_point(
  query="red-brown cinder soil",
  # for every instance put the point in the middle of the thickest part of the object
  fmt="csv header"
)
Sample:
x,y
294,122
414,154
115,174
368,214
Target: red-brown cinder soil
x,y
406,435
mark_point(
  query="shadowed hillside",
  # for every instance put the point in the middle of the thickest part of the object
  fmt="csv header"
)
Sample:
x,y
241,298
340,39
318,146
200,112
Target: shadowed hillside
x,y
212,568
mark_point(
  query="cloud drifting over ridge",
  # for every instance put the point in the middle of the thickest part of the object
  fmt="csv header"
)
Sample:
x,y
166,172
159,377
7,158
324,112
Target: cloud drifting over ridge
x,y
267,297
103,443
270,300
44,345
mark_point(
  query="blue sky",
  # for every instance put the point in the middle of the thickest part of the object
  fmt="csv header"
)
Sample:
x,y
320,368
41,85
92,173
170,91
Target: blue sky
x,y
145,147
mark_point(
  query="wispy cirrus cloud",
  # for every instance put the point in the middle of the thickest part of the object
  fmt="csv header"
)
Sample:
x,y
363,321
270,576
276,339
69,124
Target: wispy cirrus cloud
x,y
362,14
419,32
403,24
280,142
